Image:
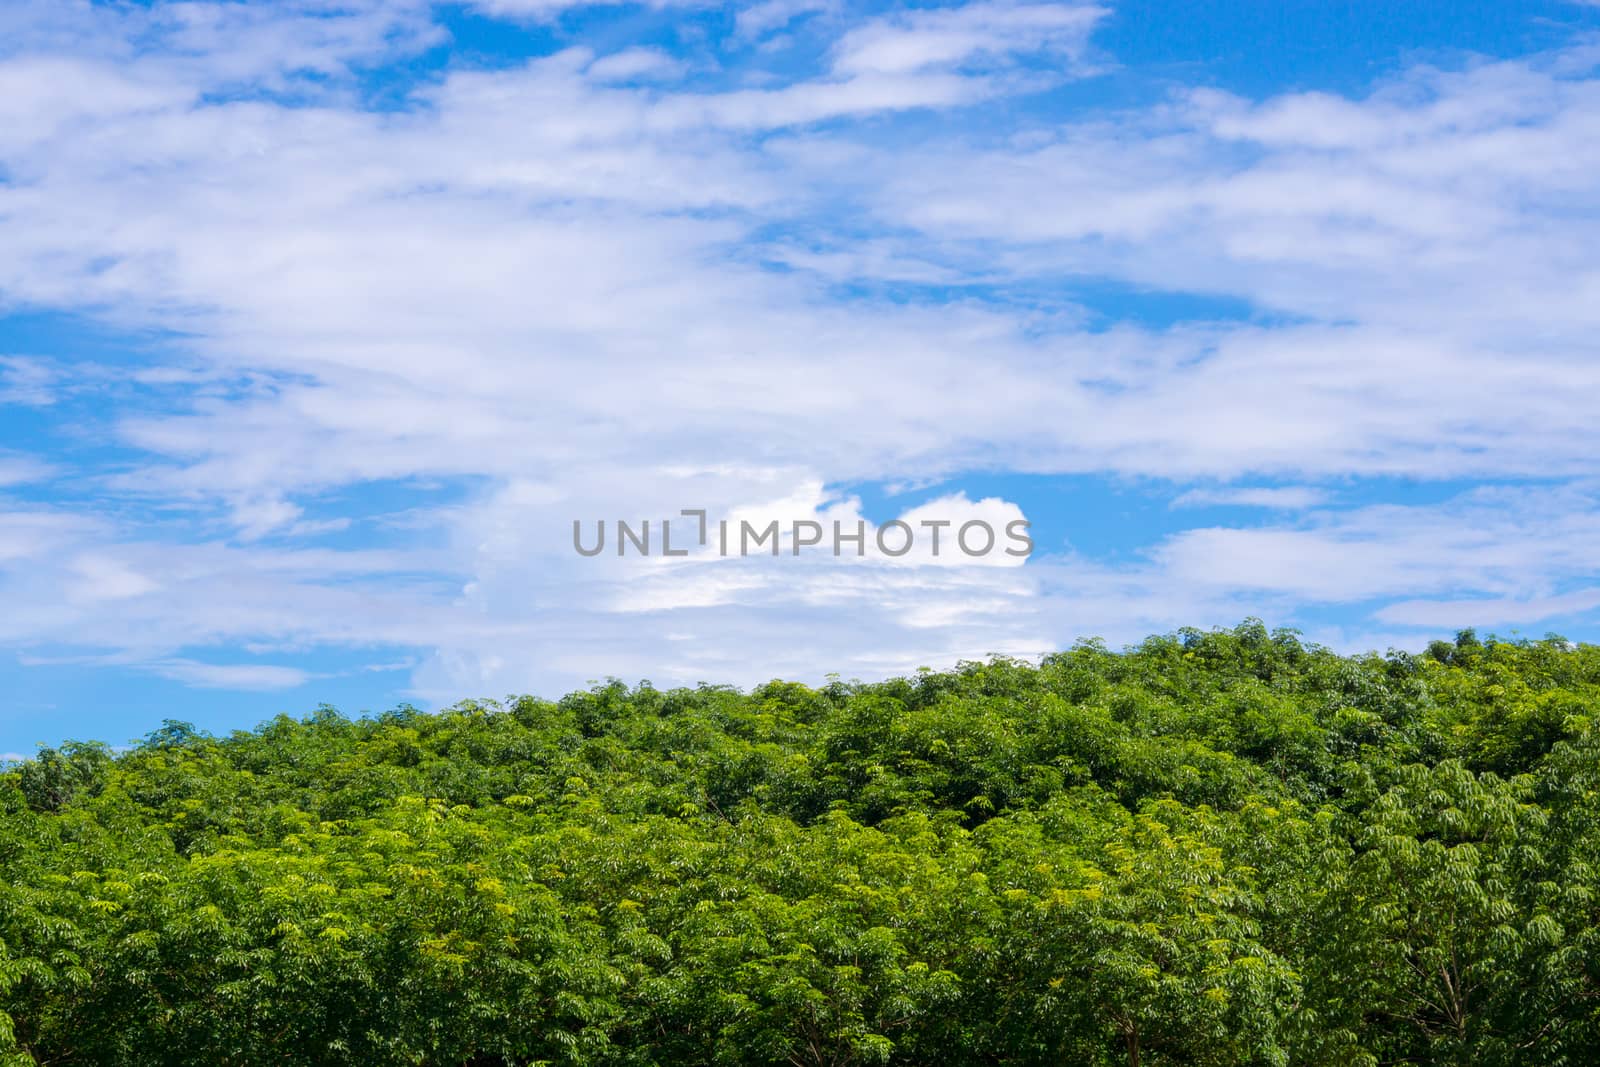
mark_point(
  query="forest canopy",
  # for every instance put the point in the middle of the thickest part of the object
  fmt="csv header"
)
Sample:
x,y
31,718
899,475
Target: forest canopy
x,y
1223,847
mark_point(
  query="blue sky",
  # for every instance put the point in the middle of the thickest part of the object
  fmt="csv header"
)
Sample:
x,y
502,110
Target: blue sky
x,y
321,321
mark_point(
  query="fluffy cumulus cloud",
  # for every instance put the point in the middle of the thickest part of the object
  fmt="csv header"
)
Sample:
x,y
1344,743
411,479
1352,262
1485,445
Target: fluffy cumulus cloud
x,y
395,316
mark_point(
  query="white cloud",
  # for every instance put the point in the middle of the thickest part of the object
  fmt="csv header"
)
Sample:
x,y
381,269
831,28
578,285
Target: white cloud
x,y
27,535
287,46
16,469
543,10
762,18
26,381
258,516
555,289
630,63
985,33
1500,541
1448,614
249,676
101,578
1285,497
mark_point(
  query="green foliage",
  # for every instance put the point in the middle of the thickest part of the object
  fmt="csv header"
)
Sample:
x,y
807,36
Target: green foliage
x,y
1214,848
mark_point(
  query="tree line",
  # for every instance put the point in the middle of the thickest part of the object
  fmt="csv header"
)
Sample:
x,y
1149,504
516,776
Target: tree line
x,y
1215,847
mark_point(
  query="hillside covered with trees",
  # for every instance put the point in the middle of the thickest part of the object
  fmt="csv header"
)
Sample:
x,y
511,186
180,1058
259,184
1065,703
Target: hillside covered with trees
x,y
1212,848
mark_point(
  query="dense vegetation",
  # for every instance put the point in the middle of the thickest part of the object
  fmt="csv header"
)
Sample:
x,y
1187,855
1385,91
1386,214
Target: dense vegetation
x,y
1213,848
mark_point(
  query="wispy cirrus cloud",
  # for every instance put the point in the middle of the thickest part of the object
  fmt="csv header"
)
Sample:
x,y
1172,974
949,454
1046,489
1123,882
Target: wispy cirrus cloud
x,y
232,675
1286,497
18,469
1446,614
26,381
967,37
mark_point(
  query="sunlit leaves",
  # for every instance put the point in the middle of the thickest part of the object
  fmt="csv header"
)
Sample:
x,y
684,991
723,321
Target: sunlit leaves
x,y
1216,848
